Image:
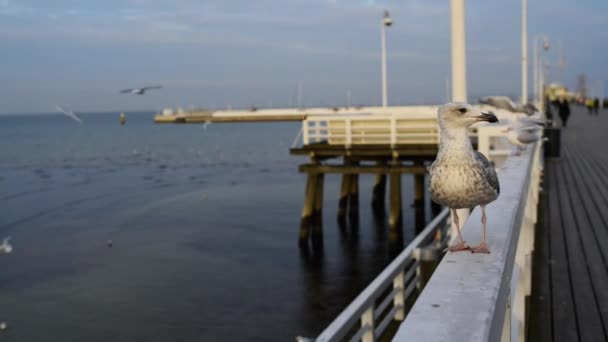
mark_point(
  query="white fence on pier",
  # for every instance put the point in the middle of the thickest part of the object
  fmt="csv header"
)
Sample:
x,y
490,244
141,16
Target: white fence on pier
x,y
478,297
383,301
470,297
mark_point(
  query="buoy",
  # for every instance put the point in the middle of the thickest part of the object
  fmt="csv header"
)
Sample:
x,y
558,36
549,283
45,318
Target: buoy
x,y
123,118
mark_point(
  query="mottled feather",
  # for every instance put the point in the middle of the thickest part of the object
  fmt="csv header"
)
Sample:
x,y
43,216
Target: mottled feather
x,y
488,171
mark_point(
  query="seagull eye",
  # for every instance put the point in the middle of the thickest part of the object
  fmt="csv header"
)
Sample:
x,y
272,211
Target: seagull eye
x,y
462,110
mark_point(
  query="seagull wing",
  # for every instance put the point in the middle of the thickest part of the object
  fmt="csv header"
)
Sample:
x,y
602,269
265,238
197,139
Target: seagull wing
x,y
125,91
151,87
488,171
70,114
527,137
529,121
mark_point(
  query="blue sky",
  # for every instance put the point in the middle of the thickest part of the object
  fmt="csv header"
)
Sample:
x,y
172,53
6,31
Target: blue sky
x,y
212,53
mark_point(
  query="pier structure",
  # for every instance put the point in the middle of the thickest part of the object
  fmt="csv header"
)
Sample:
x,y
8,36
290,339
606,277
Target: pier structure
x,y
276,114
546,276
384,145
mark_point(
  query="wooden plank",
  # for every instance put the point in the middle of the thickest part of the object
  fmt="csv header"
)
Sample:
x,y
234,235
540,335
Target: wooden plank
x,y
565,323
540,324
592,242
198,119
358,169
409,150
584,293
597,191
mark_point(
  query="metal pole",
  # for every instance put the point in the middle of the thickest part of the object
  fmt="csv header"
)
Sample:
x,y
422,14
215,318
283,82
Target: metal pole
x,y
535,68
383,38
524,52
459,60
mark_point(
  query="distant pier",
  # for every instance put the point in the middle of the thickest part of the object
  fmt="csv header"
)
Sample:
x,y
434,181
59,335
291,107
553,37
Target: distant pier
x,y
275,114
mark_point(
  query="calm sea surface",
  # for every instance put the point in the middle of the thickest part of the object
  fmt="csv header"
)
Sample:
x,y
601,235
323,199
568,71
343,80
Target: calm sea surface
x,y
204,227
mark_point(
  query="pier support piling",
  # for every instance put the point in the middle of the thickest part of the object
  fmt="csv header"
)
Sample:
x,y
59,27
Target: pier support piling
x,y
379,195
343,200
353,198
395,194
307,211
419,202
317,221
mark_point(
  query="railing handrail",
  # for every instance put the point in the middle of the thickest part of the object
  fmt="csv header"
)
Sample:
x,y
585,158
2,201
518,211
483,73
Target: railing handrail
x,y
353,312
478,297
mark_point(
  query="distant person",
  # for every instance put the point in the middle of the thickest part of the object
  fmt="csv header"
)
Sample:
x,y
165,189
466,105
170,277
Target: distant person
x,y
589,105
596,106
563,111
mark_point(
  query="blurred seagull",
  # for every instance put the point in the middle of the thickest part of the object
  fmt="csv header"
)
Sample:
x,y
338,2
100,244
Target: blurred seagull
x,y
139,91
504,102
524,131
5,246
461,177
70,114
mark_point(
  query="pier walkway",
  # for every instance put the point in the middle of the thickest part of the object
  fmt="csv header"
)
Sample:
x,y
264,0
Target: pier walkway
x,y
569,300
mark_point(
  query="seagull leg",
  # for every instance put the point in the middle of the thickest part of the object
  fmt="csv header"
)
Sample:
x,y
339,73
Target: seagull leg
x,y
461,245
482,247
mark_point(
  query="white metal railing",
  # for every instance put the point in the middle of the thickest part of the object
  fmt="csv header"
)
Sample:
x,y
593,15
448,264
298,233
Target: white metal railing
x,y
480,297
382,302
383,129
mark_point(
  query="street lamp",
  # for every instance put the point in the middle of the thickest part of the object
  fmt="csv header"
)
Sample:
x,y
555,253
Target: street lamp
x,y
459,57
386,22
537,85
524,52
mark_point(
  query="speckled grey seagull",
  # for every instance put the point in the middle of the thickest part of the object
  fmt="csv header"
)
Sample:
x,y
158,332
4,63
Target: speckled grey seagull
x,y
461,177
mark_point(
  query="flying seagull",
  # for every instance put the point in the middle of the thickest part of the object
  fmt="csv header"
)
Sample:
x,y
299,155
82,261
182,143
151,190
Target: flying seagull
x,y
70,114
139,91
6,247
461,177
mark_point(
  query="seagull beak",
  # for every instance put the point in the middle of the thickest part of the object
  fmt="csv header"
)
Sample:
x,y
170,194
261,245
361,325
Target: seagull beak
x,y
489,117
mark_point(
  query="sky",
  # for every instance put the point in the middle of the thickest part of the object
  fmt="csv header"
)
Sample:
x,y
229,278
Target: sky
x,y
239,53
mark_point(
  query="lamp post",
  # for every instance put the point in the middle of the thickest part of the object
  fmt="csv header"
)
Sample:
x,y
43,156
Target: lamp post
x,y
459,58
537,71
524,52
386,22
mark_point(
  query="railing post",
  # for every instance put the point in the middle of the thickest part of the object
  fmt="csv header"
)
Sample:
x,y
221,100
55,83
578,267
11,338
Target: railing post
x,y
483,142
367,320
393,131
305,132
399,299
347,129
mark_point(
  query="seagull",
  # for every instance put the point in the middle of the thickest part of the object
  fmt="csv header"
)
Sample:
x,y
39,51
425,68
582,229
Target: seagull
x,y
139,91
524,131
5,246
504,102
461,177
70,114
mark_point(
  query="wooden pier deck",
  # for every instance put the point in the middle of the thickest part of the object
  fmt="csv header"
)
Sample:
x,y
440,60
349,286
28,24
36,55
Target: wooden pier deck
x,y
569,300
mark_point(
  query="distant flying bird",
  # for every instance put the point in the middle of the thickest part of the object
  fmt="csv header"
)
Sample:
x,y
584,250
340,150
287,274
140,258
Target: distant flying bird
x,y
461,177
70,114
5,246
139,91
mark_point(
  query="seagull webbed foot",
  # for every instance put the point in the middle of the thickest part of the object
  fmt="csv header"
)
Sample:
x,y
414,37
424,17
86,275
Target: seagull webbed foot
x,y
481,248
461,246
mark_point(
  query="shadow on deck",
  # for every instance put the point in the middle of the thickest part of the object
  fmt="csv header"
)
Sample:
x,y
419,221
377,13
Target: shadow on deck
x,y
569,300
